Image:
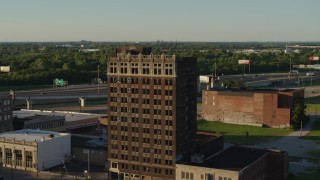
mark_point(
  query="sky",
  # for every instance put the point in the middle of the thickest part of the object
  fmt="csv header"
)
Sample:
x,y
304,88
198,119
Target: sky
x,y
166,20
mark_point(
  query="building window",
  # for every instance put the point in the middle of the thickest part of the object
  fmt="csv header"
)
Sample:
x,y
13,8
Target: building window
x,y
28,159
18,155
114,165
8,156
1,155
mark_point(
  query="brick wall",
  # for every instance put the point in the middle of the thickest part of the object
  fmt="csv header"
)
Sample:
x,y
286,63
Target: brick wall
x,y
251,108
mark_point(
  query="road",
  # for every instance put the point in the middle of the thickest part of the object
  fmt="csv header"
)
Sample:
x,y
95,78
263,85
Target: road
x,y
85,91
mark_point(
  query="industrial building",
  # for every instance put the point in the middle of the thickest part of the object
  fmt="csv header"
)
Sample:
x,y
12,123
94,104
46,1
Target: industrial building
x,y
151,114
34,150
237,163
264,107
6,114
38,122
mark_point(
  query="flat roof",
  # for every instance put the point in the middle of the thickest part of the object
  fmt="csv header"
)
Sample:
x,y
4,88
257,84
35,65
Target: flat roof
x,y
233,158
256,90
31,135
41,118
203,137
69,116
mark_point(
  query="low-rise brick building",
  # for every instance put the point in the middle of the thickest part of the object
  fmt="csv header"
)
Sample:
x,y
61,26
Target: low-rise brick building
x,y
252,107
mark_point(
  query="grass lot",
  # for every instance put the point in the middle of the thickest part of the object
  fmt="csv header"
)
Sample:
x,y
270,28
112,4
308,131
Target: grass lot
x,y
234,133
314,134
313,108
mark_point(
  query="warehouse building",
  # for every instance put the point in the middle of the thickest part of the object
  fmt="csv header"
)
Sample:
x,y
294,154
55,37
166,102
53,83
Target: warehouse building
x,y
264,107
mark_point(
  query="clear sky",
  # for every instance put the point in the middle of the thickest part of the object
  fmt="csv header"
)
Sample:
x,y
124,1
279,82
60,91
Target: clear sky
x,y
167,20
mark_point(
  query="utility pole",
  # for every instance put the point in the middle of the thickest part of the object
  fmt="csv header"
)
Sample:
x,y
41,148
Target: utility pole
x,y
88,164
98,80
290,69
301,128
215,69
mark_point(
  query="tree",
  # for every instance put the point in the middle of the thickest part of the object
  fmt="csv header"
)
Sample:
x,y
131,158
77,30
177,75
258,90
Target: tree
x,y
298,113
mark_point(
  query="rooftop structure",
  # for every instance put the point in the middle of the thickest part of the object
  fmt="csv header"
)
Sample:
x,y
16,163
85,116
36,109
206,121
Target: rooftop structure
x,y
30,135
134,50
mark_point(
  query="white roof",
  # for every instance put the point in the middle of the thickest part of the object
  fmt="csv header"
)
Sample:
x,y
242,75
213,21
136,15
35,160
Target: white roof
x,y
31,135
69,116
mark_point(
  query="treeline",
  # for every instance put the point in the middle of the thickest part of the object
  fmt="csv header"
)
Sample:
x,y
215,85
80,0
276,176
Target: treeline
x,y
40,63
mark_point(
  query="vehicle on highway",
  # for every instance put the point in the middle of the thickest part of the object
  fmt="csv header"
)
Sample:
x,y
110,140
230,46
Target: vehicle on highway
x,y
294,71
310,73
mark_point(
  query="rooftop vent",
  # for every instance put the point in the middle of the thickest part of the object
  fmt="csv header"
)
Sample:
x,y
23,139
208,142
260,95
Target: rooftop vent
x,y
197,158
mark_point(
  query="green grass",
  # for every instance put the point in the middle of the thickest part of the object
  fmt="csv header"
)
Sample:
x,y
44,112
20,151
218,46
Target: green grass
x,y
314,133
313,108
234,133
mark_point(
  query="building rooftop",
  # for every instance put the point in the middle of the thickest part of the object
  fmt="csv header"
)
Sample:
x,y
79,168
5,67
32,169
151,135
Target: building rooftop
x,y
233,158
41,118
203,137
30,135
250,91
69,116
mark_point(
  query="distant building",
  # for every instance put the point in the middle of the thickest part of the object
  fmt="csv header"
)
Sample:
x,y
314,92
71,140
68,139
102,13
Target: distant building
x,y
237,163
151,114
256,107
34,149
39,122
5,114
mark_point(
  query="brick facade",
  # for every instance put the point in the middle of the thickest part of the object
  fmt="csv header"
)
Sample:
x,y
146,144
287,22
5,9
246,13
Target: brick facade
x,y
151,114
259,108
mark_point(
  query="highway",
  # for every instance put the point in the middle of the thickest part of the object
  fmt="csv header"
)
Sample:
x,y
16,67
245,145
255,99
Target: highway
x,y
91,91
268,78
71,92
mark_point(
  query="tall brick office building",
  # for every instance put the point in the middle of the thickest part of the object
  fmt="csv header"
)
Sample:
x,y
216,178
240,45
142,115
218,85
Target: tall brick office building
x,y
152,114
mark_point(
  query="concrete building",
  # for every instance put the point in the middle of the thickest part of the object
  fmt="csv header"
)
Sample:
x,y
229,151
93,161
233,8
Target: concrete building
x,y
5,114
151,114
237,163
38,122
256,107
34,149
